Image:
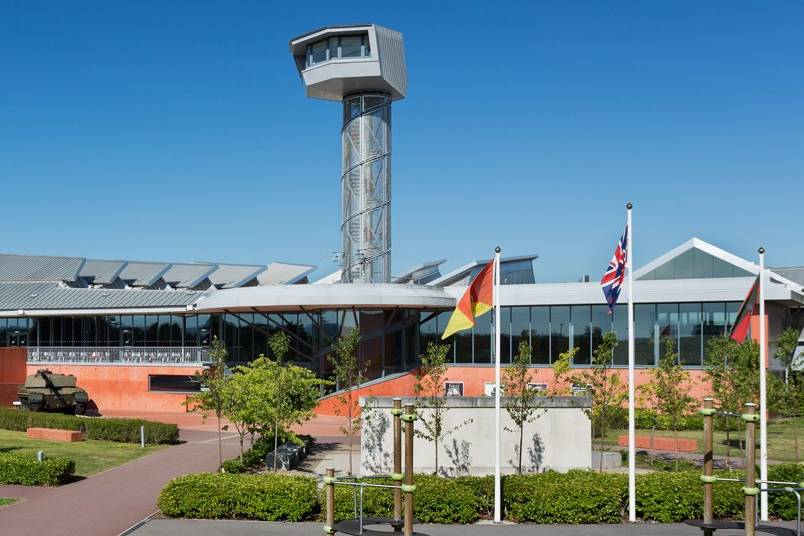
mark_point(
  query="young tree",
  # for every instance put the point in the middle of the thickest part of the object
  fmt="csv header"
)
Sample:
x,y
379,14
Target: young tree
x,y
235,393
669,390
604,386
786,397
431,397
279,343
519,397
562,373
210,399
349,375
732,369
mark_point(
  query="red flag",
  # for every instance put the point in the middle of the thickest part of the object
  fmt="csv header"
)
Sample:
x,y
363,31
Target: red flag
x,y
743,321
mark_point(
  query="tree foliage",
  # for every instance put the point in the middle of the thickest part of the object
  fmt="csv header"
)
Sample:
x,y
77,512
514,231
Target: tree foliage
x,y
431,397
519,396
732,369
604,386
349,374
786,395
669,390
211,398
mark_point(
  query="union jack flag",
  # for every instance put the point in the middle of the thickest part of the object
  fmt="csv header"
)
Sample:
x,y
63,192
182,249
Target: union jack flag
x,y
612,281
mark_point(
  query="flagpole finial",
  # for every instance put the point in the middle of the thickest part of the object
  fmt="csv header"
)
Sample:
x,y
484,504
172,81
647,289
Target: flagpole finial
x,y
497,249
629,206
761,250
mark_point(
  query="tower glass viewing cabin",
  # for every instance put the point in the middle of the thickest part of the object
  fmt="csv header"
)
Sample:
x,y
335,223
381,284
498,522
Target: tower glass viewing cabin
x,y
362,66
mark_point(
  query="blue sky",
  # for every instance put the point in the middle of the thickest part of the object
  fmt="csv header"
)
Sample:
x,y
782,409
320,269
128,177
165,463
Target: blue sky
x,y
180,130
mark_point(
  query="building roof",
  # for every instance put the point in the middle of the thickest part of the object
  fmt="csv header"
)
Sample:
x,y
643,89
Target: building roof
x,y
423,270
143,274
187,275
793,273
39,268
102,272
47,296
696,259
459,275
235,275
329,279
282,273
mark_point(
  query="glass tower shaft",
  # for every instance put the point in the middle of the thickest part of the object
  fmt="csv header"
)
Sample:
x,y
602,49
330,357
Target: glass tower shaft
x,y
366,189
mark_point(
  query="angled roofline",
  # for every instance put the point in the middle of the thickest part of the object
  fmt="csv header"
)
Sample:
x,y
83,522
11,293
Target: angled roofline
x,y
706,247
157,275
115,274
193,282
335,27
420,266
468,266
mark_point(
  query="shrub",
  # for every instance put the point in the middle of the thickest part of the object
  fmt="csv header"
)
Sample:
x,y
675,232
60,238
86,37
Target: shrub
x,y
573,498
674,497
24,469
436,500
268,497
254,457
783,505
119,430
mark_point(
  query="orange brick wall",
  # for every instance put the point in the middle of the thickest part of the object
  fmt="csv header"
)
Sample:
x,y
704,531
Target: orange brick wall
x,y
117,388
12,373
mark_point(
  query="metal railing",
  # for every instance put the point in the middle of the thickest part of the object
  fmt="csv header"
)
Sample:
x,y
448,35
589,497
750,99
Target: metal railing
x,y
109,355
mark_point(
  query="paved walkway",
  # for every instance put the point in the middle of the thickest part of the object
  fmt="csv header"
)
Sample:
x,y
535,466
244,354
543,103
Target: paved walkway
x,y
112,501
186,527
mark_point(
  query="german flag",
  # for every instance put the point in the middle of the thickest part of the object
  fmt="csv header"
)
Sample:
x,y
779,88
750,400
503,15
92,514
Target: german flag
x,y
743,321
476,301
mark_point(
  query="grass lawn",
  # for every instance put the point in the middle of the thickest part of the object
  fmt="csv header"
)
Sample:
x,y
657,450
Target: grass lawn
x,y
780,440
5,501
90,456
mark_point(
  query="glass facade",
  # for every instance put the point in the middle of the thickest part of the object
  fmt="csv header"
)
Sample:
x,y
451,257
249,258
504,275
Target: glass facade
x,y
392,339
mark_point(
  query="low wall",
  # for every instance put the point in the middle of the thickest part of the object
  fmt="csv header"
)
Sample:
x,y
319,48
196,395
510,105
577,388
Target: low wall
x,y
559,439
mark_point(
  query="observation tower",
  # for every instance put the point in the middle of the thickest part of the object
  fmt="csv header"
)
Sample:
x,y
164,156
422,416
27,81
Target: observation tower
x,y
362,66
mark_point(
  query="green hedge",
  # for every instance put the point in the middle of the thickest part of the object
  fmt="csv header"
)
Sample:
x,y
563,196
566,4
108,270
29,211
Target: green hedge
x,y
575,497
784,504
119,430
254,457
24,469
268,497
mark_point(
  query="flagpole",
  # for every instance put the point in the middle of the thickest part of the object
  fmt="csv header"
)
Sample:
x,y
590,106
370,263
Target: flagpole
x,y
497,423
763,396
631,417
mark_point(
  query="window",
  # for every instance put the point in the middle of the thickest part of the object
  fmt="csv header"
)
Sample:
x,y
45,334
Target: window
x,y
559,331
334,48
540,335
483,339
520,329
581,336
689,334
644,334
173,383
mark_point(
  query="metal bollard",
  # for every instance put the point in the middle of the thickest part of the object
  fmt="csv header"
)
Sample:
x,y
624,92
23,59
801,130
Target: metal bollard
x,y
142,436
40,456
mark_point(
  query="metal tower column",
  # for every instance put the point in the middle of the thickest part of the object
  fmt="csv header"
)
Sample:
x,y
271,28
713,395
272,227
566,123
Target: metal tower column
x,y
366,188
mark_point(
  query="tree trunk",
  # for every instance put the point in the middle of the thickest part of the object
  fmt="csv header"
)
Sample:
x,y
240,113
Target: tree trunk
x,y
521,435
652,438
242,440
795,439
220,443
435,444
675,436
276,440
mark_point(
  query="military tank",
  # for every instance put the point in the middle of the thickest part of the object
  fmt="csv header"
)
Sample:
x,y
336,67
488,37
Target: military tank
x,y
47,391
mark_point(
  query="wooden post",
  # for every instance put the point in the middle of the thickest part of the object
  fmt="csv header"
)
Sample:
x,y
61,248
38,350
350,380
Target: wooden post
x,y
397,474
750,489
329,481
708,411
408,487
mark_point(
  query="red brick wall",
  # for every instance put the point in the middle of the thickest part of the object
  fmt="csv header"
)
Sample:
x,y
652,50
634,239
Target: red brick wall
x,y
116,388
12,373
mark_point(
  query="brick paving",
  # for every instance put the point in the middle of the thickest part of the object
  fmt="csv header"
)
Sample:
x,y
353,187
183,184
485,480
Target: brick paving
x,y
110,502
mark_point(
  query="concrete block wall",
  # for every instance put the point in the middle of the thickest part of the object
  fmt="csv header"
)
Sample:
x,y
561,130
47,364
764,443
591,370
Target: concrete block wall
x,y
559,439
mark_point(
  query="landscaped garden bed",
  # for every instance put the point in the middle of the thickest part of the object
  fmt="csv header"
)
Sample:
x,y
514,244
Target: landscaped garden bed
x,y
574,497
119,430
90,456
